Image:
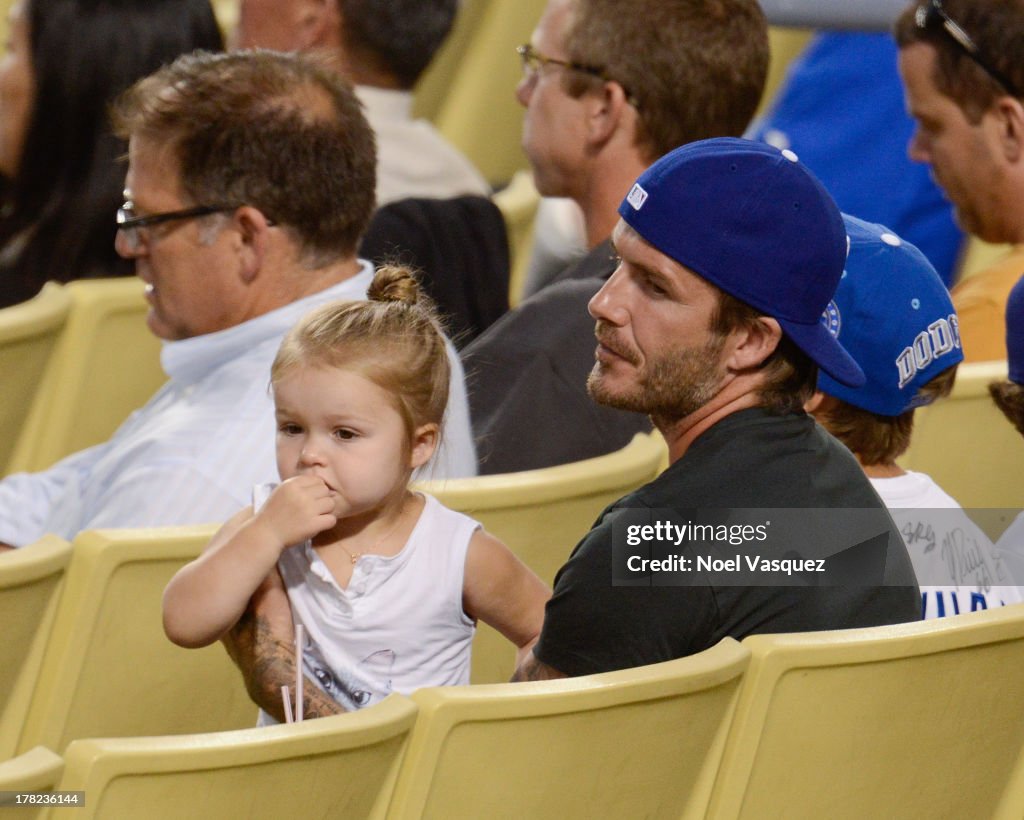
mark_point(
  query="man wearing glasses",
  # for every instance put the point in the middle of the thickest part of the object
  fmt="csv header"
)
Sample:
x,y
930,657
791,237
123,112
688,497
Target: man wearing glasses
x,y
961,68
608,87
237,231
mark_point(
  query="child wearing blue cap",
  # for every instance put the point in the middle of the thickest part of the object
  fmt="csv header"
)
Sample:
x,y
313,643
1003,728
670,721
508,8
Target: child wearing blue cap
x,y
894,316
1009,397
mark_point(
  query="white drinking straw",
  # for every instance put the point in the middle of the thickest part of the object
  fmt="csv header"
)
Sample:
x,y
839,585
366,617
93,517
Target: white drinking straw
x,y
286,697
298,673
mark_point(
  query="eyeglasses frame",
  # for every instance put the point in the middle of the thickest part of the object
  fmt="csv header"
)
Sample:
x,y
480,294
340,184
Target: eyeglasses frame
x,y
533,59
128,223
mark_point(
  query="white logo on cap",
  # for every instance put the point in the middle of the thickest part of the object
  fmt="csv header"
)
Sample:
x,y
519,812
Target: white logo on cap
x,y
831,318
637,197
940,337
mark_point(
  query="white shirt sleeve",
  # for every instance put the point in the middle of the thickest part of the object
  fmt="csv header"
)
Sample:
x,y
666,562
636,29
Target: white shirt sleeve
x,y
159,495
27,499
456,457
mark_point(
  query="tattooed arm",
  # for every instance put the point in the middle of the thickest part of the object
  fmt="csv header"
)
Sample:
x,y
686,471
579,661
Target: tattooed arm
x,y
533,669
261,645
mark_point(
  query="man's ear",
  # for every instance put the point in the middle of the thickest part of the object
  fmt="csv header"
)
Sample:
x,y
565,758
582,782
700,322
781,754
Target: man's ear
x,y
320,24
253,232
606,110
1009,117
814,402
425,439
753,343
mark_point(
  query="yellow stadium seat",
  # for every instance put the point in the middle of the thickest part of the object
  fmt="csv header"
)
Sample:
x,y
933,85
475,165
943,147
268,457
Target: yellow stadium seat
x,y
966,444
108,670
432,88
105,365
785,44
541,515
912,720
30,582
341,766
227,15
479,112
28,334
518,203
38,770
641,742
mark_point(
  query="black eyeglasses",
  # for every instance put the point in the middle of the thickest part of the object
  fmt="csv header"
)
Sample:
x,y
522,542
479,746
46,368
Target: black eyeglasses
x,y
533,61
126,220
129,224
932,14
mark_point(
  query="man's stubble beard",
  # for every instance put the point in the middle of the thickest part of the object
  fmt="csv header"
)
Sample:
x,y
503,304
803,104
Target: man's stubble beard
x,y
670,387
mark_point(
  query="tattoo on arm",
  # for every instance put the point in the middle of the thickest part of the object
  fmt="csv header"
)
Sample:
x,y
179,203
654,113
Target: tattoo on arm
x,y
267,663
533,669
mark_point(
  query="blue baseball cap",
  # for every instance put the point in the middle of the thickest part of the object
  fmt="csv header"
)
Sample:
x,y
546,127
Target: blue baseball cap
x,y
1015,332
753,221
893,314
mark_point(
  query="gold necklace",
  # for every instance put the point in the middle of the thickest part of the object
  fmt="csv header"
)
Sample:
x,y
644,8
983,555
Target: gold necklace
x,y
355,556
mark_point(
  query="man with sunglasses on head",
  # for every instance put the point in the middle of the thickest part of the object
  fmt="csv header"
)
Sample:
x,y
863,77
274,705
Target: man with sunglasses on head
x,y
237,232
963,78
608,87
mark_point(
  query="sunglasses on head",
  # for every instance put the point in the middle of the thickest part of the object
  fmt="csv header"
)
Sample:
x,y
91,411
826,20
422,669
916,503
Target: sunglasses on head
x,y
932,15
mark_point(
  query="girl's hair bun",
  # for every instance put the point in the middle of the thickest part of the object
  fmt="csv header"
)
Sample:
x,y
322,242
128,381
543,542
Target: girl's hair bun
x,y
394,283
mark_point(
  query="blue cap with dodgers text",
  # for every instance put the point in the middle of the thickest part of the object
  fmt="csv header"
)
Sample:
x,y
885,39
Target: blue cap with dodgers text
x,y
894,315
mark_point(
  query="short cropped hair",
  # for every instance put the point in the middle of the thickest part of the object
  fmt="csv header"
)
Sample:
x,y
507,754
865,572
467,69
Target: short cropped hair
x,y
877,439
995,26
790,375
279,132
398,37
695,68
1009,397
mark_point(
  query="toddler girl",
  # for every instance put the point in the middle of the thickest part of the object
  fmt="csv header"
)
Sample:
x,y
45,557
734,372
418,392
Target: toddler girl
x,y
387,583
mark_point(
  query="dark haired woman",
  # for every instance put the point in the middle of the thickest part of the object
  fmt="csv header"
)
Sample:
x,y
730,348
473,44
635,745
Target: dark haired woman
x,y
66,61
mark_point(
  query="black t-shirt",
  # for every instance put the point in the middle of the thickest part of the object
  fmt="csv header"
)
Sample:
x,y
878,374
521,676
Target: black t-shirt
x,y
750,459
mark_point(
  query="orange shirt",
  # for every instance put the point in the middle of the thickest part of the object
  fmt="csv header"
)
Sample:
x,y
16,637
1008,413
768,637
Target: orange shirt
x,y
980,303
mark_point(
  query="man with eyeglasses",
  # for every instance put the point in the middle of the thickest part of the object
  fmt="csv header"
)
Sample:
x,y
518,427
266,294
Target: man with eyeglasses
x,y
250,181
608,86
963,79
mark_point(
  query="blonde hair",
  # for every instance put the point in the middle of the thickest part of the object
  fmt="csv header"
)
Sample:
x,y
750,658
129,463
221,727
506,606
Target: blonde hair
x,y
394,339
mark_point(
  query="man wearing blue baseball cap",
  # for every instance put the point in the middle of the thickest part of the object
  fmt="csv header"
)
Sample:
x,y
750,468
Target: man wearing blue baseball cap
x,y
893,314
730,252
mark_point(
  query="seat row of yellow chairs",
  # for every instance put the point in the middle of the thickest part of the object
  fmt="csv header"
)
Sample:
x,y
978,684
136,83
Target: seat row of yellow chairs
x,y
919,720
75,361
924,716
84,653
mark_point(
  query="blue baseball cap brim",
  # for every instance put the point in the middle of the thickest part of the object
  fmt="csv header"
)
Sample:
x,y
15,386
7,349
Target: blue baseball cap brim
x,y
827,353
